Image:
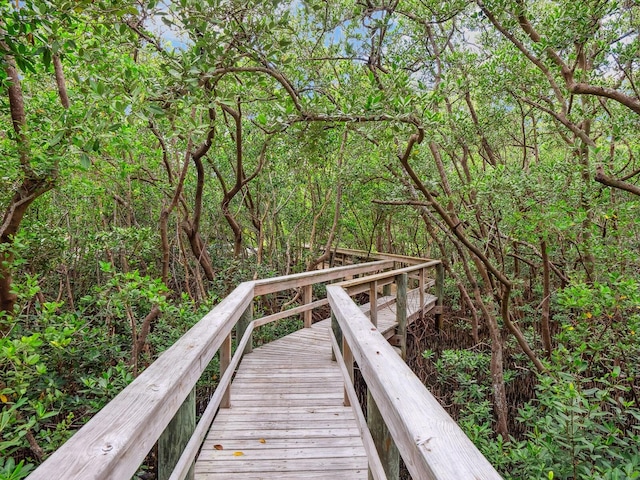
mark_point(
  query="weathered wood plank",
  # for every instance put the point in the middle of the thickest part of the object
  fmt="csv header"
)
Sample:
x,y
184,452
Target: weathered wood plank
x,y
363,287
373,303
292,311
286,418
380,256
439,294
243,464
225,362
299,423
384,444
401,315
287,402
271,454
289,395
291,443
376,469
307,297
219,435
383,276
175,438
303,409
243,325
267,396
308,388
307,475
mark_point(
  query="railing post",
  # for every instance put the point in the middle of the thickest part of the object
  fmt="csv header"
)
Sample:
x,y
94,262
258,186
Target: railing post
x,y
225,360
386,447
175,437
401,312
439,294
307,297
243,324
373,303
421,281
337,332
347,356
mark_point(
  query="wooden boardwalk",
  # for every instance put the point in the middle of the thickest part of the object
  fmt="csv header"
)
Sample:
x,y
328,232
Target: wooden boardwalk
x,y
283,409
287,418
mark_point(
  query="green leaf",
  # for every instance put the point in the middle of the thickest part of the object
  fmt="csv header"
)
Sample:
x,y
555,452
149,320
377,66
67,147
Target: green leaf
x,y
155,109
46,57
85,161
56,139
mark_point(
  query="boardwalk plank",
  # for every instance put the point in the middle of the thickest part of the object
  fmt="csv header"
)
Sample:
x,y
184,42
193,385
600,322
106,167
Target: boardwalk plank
x,y
287,416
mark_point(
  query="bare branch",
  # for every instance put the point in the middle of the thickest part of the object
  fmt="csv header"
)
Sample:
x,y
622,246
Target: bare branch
x,y
414,203
604,179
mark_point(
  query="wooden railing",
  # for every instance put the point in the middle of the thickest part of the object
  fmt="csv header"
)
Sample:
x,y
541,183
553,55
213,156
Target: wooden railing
x,y
403,417
345,255
159,405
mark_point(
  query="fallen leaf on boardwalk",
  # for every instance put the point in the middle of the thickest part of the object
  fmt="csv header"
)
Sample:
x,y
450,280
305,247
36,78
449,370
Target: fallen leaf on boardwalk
x,y
238,454
262,440
218,447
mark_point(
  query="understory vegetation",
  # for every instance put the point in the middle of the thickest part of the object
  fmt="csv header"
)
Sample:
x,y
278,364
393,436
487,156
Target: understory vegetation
x,y
153,155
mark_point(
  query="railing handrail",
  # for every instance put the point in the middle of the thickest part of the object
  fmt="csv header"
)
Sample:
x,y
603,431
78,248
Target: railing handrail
x,y
114,443
430,442
378,255
277,284
388,274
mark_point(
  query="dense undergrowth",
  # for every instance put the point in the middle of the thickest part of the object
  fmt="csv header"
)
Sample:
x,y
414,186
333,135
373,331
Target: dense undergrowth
x,y
578,420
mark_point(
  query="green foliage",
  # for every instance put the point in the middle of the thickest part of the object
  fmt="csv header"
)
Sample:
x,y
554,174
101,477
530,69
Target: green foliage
x,y
459,371
59,368
10,470
584,421
580,430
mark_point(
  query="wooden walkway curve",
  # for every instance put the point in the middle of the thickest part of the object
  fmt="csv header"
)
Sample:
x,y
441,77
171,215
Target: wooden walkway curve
x,y
288,409
287,418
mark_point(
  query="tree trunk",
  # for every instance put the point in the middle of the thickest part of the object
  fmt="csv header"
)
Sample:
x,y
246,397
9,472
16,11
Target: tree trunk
x,y
199,249
336,214
33,186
